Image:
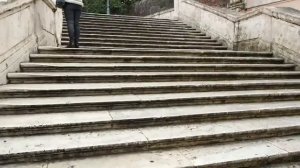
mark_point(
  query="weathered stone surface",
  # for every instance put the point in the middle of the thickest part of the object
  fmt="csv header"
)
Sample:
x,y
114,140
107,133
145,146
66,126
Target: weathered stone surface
x,y
25,25
149,107
228,155
271,29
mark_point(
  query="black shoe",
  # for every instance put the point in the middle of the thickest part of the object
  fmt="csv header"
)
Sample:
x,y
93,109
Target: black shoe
x,y
70,45
76,46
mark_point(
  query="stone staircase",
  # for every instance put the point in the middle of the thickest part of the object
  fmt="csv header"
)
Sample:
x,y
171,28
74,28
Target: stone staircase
x,y
142,92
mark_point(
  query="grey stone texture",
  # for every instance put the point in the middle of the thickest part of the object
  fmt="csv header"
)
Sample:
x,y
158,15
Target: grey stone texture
x,y
273,29
139,102
25,25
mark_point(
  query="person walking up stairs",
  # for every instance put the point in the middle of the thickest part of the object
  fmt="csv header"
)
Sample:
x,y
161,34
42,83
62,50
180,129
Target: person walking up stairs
x,y
72,11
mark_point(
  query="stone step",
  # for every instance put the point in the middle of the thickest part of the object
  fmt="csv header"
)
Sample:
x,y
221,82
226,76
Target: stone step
x,y
284,150
83,144
95,40
144,51
117,77
139,67
145,34
284,165
99,89
89,30
95,23
152,59
129,44
67,122
136,29
108,102
151,37
130,21
122,17
126,18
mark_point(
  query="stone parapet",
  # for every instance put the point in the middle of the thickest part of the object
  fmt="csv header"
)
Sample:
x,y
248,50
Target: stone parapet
x,y
267,29
27,24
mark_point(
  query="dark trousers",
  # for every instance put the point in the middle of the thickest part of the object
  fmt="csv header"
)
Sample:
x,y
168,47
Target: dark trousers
x,y
72,14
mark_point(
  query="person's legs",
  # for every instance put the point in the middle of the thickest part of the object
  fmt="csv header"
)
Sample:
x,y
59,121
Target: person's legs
x,y
69,14
77,14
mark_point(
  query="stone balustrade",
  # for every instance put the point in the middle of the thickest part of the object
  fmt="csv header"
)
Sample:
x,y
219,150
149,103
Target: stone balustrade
x,y
25,25
269,29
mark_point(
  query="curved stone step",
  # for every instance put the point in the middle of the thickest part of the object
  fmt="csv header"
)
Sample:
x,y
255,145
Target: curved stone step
x,y
134,30
152,59
95,23
130,21
94,103
62,146
137,29
114,32
280,152
126,19
98,89
138,67
123,17
151,52
209,46
67,122
94,41
118,77
151,37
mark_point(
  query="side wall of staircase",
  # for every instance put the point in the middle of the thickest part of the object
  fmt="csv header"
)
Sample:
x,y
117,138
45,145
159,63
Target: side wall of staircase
x,y
25,25
274,30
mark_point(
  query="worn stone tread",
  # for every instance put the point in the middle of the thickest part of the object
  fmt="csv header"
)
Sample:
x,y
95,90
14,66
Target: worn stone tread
x,y
79,103
153,59
229,155
122,17
166,31
117,18
83,67
98,142
135,55
159,30
45,49
144,34
129,44
96,77
94,40
142,37
67,74
71,86
129,24
129,21
89,89
12,125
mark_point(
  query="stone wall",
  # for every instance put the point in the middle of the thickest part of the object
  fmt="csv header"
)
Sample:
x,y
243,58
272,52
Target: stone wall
x,y
25,25
253,4
220,3
270,29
